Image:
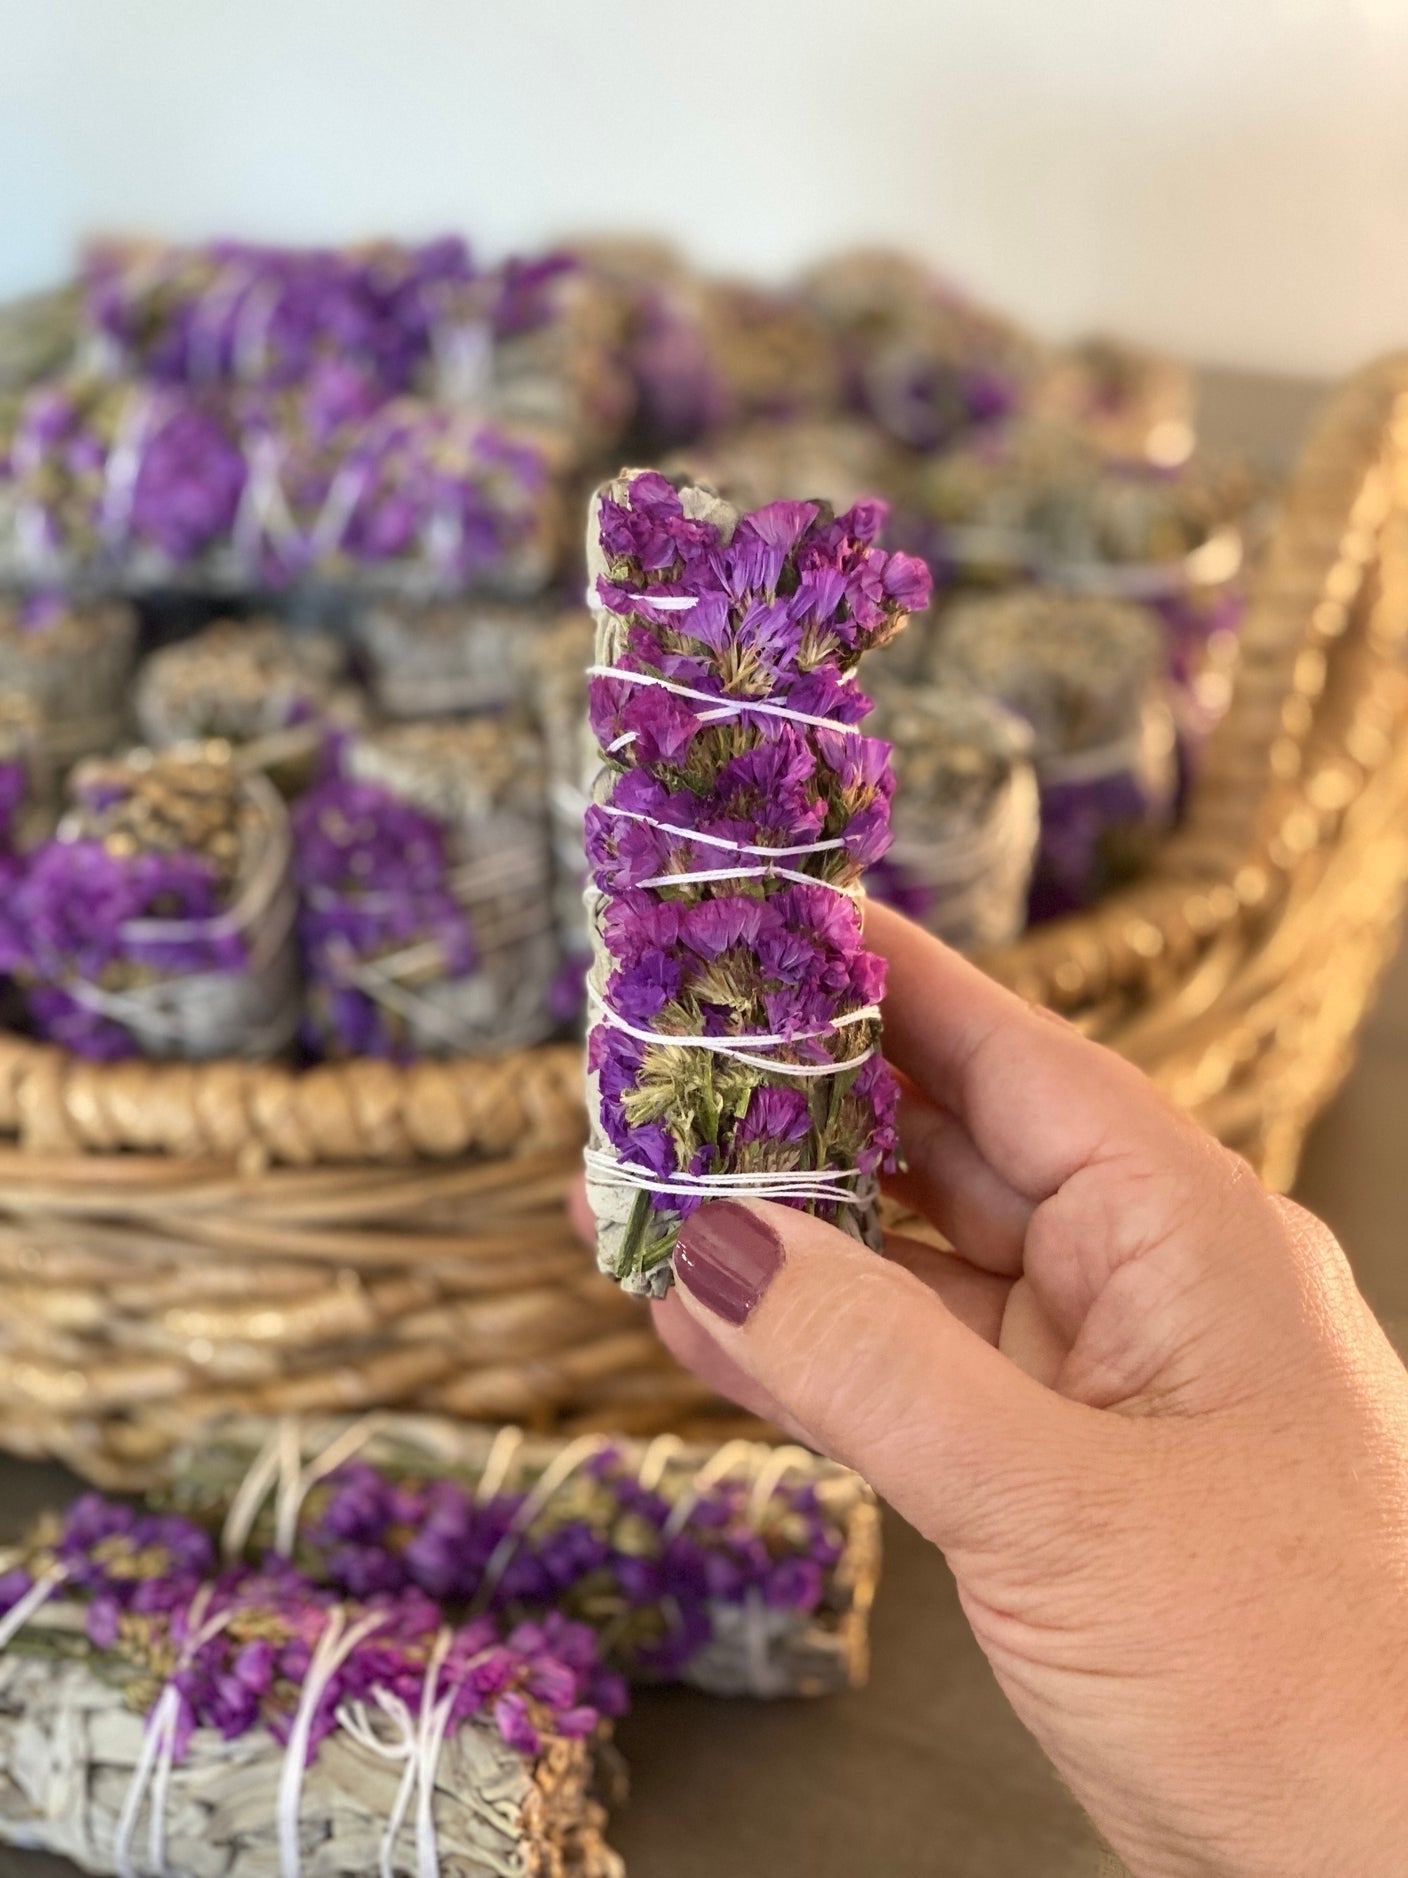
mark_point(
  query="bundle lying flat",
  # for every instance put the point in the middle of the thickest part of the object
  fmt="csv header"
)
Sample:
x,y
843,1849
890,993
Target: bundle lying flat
x,y
254,313
743,1570
537,342
150,485
159,1714
735,1040
528,341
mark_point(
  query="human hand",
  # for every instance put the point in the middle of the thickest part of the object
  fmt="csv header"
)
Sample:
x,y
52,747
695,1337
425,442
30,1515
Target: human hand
x,y
1142,1410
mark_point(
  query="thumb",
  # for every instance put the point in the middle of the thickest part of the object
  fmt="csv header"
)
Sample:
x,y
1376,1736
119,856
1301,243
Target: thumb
x,y
866,1361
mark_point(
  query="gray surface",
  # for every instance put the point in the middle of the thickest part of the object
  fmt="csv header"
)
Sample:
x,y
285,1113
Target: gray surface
x,y
926,1771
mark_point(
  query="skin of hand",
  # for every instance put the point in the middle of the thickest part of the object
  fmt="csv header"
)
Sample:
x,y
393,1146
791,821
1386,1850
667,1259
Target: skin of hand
x,y
1143,1411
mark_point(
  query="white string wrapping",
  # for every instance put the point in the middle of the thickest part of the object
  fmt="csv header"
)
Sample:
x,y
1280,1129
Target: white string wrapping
x,y
699,876
576,1454
757,1040
279,1464
158,1755
742,1049
33,1601
717,841
503,1452
419,1744
820,1183
715,1469
719,707
137,420
335,1645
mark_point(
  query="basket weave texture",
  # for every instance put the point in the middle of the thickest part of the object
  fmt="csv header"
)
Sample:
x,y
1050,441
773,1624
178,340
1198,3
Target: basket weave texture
x,y
180,1241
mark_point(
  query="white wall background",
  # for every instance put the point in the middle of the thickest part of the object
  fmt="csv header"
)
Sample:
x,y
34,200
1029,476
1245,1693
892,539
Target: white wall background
x,y
1227,177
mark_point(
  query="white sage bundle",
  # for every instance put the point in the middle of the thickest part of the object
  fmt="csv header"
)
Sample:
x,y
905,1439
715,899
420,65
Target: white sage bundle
x,y
72,1752
735,804
193,952
923,361
745,1570
157,1717
536,343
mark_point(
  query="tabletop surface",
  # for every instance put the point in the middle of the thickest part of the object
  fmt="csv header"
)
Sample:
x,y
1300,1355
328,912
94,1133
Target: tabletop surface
x,y
926,1771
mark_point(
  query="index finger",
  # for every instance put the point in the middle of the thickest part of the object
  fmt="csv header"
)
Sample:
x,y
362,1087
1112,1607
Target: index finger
x,y
1039,1100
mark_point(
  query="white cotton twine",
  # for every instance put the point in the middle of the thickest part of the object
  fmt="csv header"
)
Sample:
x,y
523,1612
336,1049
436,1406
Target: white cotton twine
x,y
158,1755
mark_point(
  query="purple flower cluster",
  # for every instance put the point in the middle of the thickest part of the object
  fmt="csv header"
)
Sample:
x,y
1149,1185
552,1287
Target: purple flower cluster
x,y
373,874
238,312
141,1573
782,612
602,1549
328,478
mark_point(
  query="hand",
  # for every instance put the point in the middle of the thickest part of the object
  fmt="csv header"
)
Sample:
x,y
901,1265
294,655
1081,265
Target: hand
x,y
1143,1411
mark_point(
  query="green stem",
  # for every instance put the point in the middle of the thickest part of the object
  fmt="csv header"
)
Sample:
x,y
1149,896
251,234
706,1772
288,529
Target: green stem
x,y
628,1258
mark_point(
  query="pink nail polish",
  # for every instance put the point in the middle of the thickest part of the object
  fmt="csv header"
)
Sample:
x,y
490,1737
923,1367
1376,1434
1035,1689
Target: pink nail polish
x,y
727,1257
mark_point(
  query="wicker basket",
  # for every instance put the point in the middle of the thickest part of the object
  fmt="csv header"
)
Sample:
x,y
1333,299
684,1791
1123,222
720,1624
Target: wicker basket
x,y
182,1241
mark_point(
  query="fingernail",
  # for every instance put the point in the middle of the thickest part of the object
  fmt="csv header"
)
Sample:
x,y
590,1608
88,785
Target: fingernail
x,y
727,1257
